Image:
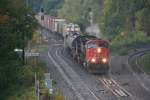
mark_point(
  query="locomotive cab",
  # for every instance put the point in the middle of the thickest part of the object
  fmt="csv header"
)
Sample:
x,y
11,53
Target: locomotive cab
x,y
96,55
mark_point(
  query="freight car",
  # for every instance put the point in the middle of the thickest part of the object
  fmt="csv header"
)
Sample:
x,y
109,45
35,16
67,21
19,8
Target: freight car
x,y
57,25
91,52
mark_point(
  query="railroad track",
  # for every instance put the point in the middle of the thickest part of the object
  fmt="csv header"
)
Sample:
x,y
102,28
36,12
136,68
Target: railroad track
x,y
139,57
73,80
135,57
134,61
81,90
137,71
116,89
110,85
137,62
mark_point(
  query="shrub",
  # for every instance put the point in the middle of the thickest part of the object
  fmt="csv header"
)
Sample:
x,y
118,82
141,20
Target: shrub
x,y
129,41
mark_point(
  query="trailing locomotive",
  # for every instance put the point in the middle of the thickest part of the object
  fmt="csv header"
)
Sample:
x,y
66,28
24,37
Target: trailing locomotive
x,y
93,53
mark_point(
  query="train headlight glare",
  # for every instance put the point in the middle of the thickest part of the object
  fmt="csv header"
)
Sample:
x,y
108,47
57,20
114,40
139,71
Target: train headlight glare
x,y
104,60
93,60
99,50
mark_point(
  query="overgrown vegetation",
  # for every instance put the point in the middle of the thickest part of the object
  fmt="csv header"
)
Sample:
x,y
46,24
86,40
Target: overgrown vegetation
x,y
123,44
77,11
125,16
24,88
126,22
23,93
51,6
17,24
145,63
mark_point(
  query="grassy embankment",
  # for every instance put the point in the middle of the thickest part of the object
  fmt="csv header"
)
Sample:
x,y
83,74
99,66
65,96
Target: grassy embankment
x,y
145,62
123,43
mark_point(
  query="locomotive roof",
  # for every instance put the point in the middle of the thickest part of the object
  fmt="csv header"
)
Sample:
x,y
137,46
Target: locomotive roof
x,y
88,38
83,38
97,40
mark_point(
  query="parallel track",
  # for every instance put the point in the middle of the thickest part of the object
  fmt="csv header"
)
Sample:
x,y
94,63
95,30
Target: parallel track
x,y
116,89
77,85
138,72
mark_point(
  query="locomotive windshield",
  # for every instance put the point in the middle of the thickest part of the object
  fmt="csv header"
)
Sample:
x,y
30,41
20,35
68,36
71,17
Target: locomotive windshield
x,y
91,45
99,44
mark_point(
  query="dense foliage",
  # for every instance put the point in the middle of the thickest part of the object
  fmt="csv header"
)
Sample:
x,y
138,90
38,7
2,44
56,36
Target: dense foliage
x,y
125,16
17,24
51,6
113,16
34,4
78,11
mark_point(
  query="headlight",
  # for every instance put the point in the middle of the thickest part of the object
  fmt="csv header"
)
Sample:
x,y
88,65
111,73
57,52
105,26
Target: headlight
x,y
99,50
104,60
93,60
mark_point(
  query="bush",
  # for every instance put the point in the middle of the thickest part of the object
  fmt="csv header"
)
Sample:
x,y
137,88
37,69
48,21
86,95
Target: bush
x,y
145,63
26,75
20,87
129,41
23,94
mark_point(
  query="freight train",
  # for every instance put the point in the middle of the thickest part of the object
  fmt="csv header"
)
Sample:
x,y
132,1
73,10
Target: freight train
x,y
91,52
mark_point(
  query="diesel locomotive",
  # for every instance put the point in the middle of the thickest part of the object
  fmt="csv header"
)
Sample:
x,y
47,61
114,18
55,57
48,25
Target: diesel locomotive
x,y
91,52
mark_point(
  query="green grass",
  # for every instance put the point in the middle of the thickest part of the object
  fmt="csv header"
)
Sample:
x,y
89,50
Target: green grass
x,y
145,62
122,44
23,93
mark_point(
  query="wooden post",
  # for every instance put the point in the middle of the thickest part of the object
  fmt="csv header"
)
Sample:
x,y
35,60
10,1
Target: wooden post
x,y
38,90
35,85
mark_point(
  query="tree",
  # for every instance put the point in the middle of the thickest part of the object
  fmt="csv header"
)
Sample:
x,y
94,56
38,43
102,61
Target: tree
x,y
125,15
16,27
51,6
77,11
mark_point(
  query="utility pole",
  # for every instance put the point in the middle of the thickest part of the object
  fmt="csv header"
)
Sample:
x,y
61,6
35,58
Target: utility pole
x,y
23,48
